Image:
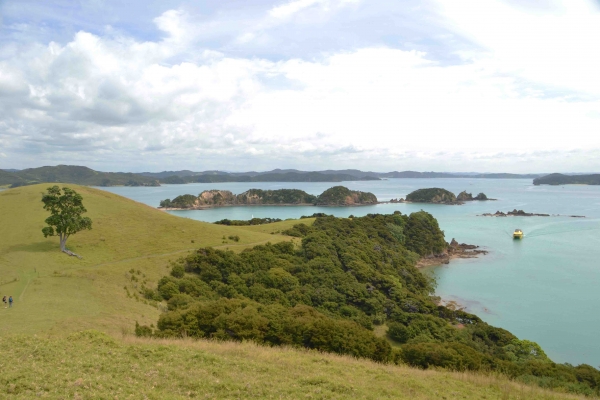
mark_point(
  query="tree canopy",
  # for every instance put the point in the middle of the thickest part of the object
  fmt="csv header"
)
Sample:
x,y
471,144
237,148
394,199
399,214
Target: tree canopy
x,y
66,209
328,293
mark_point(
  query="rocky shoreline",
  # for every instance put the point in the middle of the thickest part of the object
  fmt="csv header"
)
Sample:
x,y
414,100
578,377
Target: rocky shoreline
x,y
521,213
455,250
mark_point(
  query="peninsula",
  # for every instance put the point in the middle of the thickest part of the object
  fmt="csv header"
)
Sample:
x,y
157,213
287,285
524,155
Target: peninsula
x,y
335,196
561,179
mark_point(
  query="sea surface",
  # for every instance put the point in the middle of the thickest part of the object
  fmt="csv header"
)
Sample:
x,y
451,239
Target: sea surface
x,y
544,288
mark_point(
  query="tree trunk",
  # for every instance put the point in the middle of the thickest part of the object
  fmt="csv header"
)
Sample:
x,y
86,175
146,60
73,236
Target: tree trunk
x,y
63,246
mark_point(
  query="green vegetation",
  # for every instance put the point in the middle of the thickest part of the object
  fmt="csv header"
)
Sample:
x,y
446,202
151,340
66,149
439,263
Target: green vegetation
x,y
442,196
337,195
432,195
93,365
65,217
183,201
75,175
48,351
560,179
342,196
329,294
281,196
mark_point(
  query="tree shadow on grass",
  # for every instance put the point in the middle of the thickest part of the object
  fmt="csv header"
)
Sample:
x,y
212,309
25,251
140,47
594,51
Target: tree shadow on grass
x,y
38,247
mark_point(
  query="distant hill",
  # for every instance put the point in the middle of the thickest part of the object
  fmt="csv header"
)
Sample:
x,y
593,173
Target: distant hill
x,y
9,178
560,179
338,175
264,177
76,175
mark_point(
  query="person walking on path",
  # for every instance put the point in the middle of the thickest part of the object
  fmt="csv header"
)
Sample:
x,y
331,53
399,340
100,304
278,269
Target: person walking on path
x,y
10,301
4,301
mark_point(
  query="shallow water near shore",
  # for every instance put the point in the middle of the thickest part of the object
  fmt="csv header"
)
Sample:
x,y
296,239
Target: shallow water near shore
x,y
542,288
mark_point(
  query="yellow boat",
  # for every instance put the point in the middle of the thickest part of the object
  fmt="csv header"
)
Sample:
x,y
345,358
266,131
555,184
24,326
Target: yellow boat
x,y
518,234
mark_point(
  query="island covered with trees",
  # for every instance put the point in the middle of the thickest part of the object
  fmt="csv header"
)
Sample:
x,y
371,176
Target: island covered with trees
x,y
335,196
561,179
347,282
441,196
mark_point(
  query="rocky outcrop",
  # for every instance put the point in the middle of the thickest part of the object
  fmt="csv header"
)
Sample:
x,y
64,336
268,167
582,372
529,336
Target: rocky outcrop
x,y
454,250
521,213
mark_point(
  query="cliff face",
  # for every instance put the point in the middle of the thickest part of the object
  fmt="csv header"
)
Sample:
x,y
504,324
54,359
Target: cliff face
x,y
215,198
342,196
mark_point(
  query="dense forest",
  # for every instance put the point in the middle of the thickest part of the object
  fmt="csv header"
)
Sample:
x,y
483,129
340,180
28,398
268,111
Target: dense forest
x,y
560,179
329,293
335,196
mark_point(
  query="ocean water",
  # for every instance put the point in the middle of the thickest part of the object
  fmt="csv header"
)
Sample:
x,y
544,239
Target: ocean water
x,y
544,288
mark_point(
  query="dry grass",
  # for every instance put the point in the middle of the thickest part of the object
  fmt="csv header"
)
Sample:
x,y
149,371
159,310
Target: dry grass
x,y
93,365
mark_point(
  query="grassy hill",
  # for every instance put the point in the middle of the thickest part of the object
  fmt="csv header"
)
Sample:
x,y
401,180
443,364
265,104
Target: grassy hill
x,y
46,352
55,292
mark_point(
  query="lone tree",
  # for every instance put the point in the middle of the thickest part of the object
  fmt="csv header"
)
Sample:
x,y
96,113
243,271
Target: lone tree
x,y
65,215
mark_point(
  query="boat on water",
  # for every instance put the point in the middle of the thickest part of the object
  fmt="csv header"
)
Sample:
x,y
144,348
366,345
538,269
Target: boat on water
x,y
518,234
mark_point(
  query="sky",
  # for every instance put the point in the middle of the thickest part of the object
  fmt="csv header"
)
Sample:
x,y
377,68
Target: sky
x,y
381,85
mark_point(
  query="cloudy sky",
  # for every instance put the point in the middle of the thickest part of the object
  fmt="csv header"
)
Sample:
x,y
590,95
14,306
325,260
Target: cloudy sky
x,y
444,85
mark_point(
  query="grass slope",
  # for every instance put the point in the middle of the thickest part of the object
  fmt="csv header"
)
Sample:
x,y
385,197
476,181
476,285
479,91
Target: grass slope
x,y
55,292
96,366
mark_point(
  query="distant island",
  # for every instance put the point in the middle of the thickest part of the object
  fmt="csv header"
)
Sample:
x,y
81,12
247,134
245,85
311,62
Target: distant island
x,y
440,196
335,196
561,179
521,213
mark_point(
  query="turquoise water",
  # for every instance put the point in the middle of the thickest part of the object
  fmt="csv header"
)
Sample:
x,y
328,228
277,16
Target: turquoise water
x,y
543,288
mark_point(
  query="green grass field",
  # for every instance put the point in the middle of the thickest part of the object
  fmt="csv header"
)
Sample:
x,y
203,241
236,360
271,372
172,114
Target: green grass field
x,y
45,353
55,293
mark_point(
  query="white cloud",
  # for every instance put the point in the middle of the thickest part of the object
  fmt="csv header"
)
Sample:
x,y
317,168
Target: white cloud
x,y
295,6
115,100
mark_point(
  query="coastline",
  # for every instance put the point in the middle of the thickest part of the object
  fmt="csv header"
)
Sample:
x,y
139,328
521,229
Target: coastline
x,y
455,251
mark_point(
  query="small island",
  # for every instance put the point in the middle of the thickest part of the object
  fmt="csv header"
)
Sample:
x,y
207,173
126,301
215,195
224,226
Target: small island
x,y
440,196
561,179
335,196
521,213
